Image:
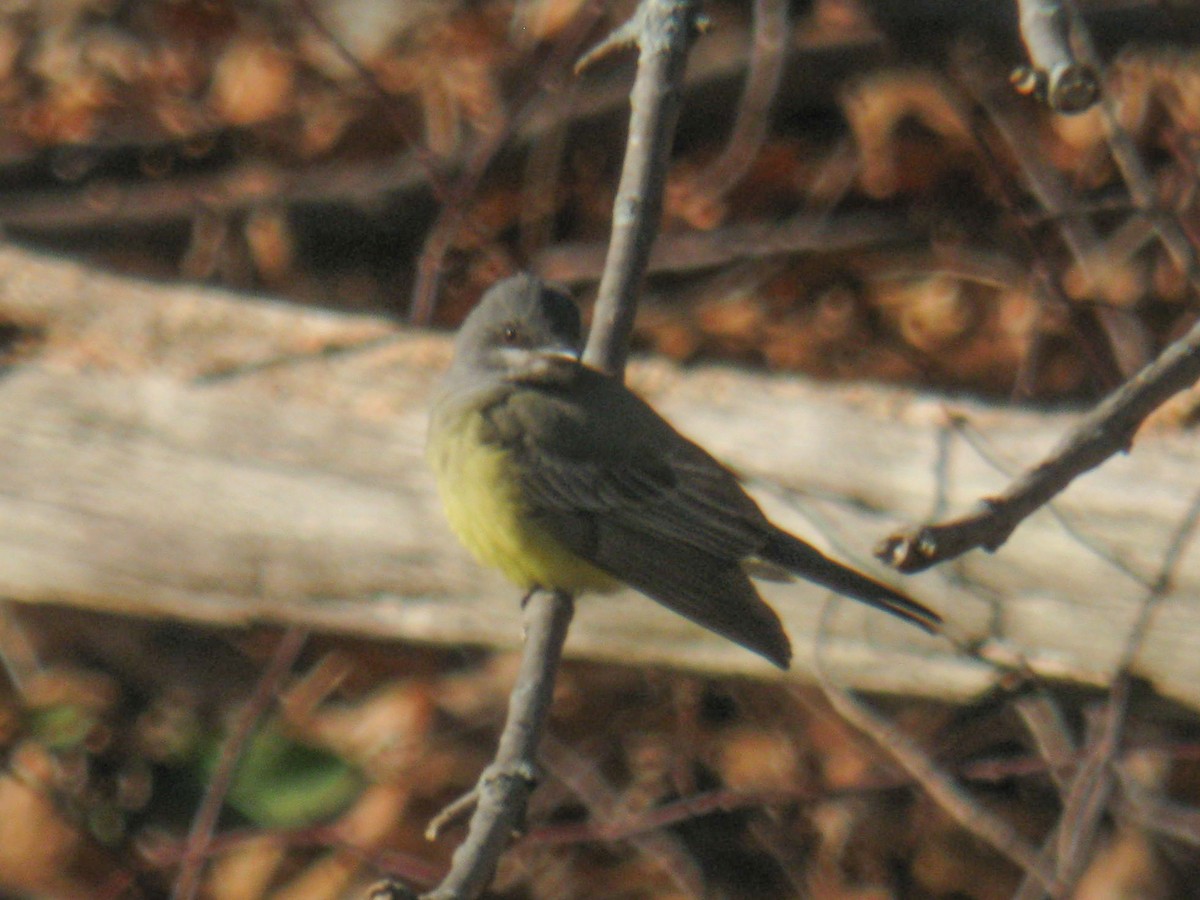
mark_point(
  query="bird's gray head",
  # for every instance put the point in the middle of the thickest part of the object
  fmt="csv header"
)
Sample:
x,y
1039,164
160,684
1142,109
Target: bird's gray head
x,y
522,330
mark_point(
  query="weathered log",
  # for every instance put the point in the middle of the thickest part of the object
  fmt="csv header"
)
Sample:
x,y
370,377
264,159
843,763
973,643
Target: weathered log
x,y
187,452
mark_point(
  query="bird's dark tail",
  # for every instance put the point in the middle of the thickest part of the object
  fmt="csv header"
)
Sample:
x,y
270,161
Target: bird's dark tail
x,y
796,556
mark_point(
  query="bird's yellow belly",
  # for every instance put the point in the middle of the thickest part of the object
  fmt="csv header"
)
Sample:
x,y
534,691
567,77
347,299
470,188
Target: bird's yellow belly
x,y
481,497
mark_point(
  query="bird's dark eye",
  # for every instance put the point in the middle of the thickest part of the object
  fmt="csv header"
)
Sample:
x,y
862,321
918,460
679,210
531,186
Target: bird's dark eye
x,y
511,334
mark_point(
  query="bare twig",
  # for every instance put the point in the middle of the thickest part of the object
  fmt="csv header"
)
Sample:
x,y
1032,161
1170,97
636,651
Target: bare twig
x,y
452,216
665,33
1162,584
767,56
991,770
505,785
602,803
1054,76
104,203
689,251
1133,170
1127,337
1096,776
1044,721
187,885
1117,561
1106,430
950,798
452,812
1091,788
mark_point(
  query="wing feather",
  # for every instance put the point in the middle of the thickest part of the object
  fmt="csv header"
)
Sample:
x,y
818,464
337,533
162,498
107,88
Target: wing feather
x,y
712,592
609,478
603,451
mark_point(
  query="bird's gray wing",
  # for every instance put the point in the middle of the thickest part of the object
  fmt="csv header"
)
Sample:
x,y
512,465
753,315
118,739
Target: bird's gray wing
x,y
636,526
714,593
616,484
608,455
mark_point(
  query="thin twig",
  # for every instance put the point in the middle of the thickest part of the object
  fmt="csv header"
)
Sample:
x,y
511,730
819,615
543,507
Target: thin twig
x,y
1105,431
1091,788
665,32
187,885
452,217
505,786
369,79
1092,784
689,251
1054,76
950,798
1096,775
1043,719
992,770
1163,584
772,19
452,812
1133,170
1030,887
1127,338
668,852
1076,530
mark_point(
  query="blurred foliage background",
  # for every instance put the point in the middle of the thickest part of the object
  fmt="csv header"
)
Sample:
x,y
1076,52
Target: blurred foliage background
x,y
857,192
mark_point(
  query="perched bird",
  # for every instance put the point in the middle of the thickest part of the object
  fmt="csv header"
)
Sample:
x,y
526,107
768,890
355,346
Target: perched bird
x,y
562,478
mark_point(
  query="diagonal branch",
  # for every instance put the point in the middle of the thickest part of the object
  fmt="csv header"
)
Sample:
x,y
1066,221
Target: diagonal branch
x,y
287,651
1105,431
950,798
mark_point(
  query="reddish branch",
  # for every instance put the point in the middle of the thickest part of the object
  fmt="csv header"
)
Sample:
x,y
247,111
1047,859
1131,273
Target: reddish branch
x,y
187,885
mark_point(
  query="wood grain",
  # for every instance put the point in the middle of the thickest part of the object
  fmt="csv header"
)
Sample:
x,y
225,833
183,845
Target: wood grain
x,y
187,452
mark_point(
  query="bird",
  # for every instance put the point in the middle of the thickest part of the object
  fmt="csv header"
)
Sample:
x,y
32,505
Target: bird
x,y
564,479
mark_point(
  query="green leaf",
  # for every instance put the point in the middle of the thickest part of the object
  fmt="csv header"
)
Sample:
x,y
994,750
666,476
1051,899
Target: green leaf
x,y
283,783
